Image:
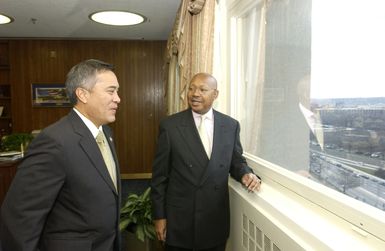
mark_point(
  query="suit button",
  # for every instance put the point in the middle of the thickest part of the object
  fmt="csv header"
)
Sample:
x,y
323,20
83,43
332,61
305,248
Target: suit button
x,y
190,165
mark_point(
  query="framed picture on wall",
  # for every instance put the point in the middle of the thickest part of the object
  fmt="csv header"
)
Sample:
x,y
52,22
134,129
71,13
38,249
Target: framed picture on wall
x,y
49,95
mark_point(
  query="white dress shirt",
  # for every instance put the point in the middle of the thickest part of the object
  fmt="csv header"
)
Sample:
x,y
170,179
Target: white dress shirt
x,y
209,124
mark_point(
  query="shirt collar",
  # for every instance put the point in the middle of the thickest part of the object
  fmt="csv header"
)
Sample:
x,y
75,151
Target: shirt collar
x,y
306,112
91,126
209,115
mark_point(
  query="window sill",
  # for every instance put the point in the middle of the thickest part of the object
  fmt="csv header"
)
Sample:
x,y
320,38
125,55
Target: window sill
x,y
300,222
326,214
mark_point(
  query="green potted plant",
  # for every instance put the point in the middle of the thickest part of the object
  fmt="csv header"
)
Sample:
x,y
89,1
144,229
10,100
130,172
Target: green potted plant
x,y
16,141
136,216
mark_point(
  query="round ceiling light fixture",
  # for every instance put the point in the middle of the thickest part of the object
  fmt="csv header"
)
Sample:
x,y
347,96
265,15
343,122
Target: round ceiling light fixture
x,y
5,19
118,18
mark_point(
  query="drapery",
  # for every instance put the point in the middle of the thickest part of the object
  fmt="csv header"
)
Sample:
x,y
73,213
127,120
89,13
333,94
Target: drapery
x,y
189,50
253,76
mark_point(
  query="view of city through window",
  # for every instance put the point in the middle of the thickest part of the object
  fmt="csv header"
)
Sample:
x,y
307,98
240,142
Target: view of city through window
x,y
351,158
348,94
318,75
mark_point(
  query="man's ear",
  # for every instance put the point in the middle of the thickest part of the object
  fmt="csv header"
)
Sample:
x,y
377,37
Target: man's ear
x,y
82,95
216,94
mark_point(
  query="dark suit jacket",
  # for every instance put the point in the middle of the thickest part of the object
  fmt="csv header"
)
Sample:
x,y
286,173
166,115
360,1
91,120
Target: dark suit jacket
x,y
188,189
62,197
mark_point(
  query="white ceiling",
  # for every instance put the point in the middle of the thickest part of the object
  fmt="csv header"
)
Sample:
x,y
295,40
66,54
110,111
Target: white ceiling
x,y
69,19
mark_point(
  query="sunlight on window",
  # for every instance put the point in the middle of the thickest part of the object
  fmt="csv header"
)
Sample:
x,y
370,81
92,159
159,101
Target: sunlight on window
x,y
348,93
309,91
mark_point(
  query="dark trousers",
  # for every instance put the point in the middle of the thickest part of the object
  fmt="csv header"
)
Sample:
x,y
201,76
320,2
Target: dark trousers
x,y
217,248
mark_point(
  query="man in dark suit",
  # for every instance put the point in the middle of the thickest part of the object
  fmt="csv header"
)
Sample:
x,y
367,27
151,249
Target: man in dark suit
x,y
66,195
190,172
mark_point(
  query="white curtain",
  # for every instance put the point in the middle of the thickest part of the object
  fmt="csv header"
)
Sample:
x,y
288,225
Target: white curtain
x,y
252,76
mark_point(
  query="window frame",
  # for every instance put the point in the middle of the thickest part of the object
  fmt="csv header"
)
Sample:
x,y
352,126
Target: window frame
x,y
359,214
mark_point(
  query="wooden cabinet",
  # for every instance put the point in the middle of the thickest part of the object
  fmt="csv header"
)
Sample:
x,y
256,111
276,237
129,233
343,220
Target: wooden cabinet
x,y
7,172
5,91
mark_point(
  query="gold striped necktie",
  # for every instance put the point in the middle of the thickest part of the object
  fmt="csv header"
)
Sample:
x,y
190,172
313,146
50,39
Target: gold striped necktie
x,y
107,155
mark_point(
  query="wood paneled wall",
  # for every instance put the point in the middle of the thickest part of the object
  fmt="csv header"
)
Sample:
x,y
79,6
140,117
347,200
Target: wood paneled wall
x,y
138,66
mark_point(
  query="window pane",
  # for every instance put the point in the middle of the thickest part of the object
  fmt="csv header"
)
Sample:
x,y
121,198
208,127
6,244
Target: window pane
x,y
347,92
310,95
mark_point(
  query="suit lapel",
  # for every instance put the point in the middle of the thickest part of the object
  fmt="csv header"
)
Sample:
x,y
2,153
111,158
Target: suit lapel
x,y
91,149
113,150
219,127
190,134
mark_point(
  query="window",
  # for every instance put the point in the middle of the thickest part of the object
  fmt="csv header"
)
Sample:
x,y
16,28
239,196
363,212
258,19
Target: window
x,y
348,93
307,87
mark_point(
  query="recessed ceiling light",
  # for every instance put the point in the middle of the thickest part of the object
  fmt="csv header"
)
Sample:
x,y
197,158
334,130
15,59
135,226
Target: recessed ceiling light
x,y
5,19
119,18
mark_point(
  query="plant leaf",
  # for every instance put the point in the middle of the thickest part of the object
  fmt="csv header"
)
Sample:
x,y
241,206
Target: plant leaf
x,y
137,214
